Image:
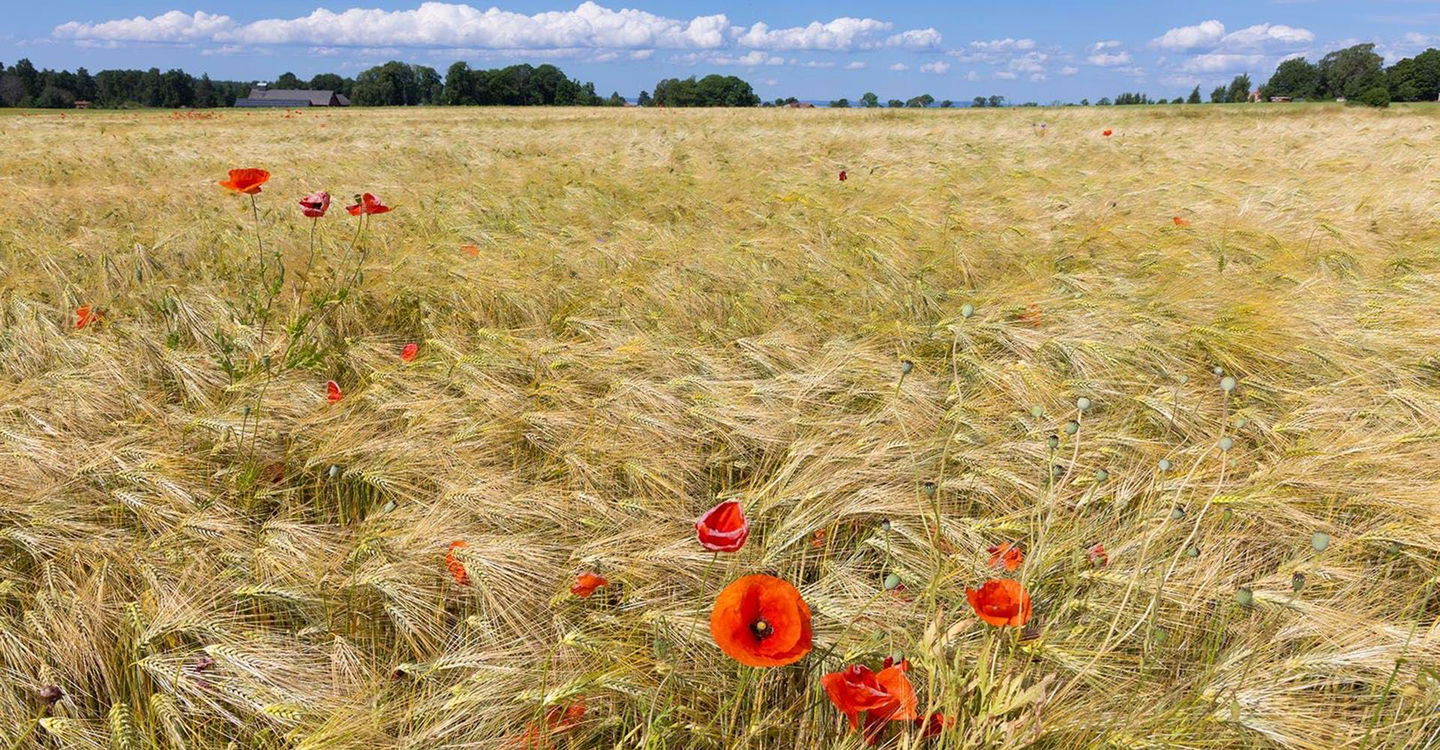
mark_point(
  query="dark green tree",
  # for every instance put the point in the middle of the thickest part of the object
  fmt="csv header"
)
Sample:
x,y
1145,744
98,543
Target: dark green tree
x,y
1297,78
1219,95
869,100
1194,96
1351,71
1239,90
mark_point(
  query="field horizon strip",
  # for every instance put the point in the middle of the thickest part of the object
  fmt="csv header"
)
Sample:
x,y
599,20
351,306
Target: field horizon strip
x,y
1206,343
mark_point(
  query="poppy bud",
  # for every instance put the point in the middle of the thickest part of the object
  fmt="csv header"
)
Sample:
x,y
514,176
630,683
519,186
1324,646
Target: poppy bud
x,y
1101,475
1053,441
1057,471
1072,427
723,528
1218,370
334,471
929,488
906,366
1297,581
1082,403
1165,464
892,582
1320,540
1037,411
1177,513
1244,596
1183,379
1226,443
51,694
1192,551
1227,384
967,310
885,524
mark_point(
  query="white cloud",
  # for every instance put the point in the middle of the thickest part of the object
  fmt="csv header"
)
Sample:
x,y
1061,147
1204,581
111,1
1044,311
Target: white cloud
x,y
1006,75
174,26
1264,34
1219,62
899,67
456,25
753,58
1003,45
857,65
1204,34
1109,60
1099,46
972,76
1069,70
1037,77
939,68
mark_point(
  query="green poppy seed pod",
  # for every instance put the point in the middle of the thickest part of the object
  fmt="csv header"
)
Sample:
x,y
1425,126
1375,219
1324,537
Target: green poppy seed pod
x,y
967,310
1165,464
1053,441
1320,540
245,410
892,582
1241,422
1177,513
1057,471
1226,443
929,488
884,524
1082,403
265,361
906,366
1297,581
1244,596
389,506
1192,551
1227,384
334,471
1161,635
1072,427
1183,379
1218,370
1101,475
1394,548
1037,411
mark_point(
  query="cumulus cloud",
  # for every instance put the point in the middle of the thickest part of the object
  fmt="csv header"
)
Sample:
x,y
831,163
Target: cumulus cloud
x,y
938,67
1069,70
1003,45
1204,34
1100,46
857,65
899,67
456,25
174,26
1264,34
1006,75
1220,62
1109,60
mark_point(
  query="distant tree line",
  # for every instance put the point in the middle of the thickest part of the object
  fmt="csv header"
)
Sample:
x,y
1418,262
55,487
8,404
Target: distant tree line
x,y
710,91
21,85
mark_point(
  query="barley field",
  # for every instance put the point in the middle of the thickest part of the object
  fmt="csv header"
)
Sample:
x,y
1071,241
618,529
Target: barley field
x,y
1207,343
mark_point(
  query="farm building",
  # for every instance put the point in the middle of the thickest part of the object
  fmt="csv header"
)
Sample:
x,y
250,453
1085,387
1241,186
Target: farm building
x,y
261,96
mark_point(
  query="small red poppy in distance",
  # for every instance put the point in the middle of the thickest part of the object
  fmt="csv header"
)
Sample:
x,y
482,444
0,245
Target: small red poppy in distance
x,y
408,352
367,204
85,315
1001,602
586,583
934,724
761,621
1181,222
1108,133
843,176
455,566
1097,555
1007,556
557,720
247,181
333,393
471,250
315,205
723,528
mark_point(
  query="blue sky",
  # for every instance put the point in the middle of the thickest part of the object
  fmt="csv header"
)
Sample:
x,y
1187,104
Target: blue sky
x,y
1026,50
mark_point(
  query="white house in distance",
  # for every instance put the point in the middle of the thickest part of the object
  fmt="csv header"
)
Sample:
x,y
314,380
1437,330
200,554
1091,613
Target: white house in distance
x,y
264,96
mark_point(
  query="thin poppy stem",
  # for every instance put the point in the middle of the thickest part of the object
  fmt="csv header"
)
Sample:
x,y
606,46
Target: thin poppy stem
x,y
305,282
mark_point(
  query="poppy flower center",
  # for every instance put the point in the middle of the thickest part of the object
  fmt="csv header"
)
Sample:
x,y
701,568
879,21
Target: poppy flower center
x,y
761,629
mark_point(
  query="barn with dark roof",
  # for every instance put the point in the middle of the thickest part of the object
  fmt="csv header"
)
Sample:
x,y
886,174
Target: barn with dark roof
x,y
292,98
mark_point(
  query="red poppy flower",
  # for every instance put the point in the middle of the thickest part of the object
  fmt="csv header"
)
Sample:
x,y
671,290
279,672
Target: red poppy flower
x,y
1097,555
883,697
1180,222
367,204
453,563
723,528
408,352
1031,316
1001,602
586,583
471,250
761,621
85,315
315,205
1007,555
1108,133
332,391
247,181
558,719
817,540
843,176
934,724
